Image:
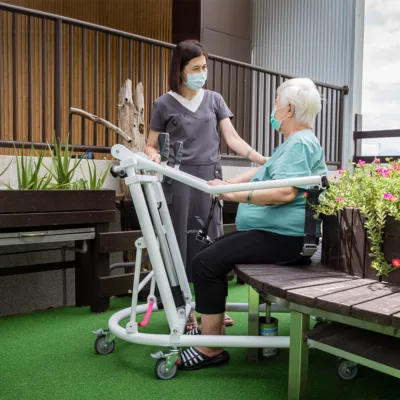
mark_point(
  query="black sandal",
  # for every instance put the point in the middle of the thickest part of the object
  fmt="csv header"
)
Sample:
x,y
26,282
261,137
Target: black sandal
x,y
193,359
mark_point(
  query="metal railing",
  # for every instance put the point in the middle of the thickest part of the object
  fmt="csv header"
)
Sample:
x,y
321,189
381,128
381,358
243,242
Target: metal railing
x,y
358,136
61,63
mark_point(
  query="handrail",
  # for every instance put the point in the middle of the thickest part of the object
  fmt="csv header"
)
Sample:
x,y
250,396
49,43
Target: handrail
x,y
100,28
389,133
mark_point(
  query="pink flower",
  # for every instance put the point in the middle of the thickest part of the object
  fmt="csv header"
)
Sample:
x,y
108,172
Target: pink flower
x,y
305,194
390,197
396,166
383,172
341,171
339,199
396,262
377,160
361,163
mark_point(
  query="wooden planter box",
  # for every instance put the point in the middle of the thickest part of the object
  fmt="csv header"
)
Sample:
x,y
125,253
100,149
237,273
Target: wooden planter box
x,y
345,246
33,208
49,210
391,247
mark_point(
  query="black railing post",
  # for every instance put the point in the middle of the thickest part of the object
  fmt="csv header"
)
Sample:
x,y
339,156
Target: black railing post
x,y
83,88
30,105
15,76
341,112
58,79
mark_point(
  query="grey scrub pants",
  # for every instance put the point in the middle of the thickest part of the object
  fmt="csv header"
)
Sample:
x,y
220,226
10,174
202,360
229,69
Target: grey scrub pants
x,y
185,203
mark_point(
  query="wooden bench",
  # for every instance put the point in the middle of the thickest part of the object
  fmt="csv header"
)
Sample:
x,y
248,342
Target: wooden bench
x,y
364,317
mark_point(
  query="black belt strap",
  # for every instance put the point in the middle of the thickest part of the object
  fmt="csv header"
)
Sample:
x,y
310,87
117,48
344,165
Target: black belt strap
x,y
310,224
202,233
310,245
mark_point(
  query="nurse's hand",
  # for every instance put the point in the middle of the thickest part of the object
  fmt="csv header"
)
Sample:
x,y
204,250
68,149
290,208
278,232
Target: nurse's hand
x,y
223,196
217,182
155,157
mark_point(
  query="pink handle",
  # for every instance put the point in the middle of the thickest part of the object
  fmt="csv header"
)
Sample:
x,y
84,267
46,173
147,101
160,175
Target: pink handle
x,y
147,316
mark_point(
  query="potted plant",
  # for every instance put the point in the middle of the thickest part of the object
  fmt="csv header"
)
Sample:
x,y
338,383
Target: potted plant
x,y
361,220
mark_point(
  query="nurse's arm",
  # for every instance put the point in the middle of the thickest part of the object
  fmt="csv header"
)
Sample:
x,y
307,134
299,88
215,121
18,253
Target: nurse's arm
x,y
237,144
245,177
264,197
152,146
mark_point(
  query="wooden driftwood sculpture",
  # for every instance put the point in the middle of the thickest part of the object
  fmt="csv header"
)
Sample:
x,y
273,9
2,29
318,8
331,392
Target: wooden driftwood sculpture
x,y
131,121
130,132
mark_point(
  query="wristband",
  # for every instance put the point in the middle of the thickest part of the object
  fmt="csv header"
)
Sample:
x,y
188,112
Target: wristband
x,y
248,153
249,197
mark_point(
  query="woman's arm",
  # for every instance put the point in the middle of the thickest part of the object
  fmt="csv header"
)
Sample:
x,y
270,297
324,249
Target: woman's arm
x,y
245,177
237,144
152,146
265,196
260,197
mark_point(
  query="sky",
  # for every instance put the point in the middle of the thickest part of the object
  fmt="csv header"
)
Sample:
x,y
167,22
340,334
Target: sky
x,y
381,74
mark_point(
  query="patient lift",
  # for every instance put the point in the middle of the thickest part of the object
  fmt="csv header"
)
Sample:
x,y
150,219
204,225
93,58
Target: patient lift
x,y
144,178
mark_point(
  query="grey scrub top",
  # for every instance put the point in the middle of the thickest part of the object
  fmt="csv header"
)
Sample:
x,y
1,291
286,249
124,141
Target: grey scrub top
x,y
197,130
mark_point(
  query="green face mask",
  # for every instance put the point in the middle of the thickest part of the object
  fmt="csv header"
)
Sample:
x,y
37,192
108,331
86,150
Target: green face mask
x,y
274,122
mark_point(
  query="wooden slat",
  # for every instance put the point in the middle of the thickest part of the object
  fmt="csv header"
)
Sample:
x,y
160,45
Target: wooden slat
x,y
275,279
342,302
118,241
280,287
258,270
22,201
308,296
396,320
380,310
55,219
27,269
373,346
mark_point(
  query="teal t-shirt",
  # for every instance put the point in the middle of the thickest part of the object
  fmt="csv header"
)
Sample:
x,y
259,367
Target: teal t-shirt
x,y
300,155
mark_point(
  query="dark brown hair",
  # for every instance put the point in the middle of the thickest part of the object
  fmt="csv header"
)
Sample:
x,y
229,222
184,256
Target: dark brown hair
x,y
183,53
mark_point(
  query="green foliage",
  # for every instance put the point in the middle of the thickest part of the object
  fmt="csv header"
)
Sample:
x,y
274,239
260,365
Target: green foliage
x,y
96,180
62,171
375,190
28,172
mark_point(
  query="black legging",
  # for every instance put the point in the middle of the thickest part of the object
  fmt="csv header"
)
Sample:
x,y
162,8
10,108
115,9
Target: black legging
x,y
212,265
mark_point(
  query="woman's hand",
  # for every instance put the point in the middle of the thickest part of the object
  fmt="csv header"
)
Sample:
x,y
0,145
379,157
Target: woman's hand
x,y
262,160
155,157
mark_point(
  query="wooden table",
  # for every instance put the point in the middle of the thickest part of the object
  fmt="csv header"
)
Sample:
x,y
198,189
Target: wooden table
x,y
366,314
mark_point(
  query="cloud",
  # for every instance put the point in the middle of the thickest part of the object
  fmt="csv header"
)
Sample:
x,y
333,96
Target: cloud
x,y
381,73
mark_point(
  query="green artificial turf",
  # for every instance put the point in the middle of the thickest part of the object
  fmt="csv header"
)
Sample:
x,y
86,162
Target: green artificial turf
x,y
50,355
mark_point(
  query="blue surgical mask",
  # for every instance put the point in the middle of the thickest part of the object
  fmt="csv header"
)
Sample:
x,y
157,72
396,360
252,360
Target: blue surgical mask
x,y
196,81
274,122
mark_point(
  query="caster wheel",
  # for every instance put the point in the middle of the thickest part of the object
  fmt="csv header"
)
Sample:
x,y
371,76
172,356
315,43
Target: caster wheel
x,y
346,370
162,373
102,347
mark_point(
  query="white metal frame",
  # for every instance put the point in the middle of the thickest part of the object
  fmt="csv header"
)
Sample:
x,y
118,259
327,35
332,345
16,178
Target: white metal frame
x,y
144,179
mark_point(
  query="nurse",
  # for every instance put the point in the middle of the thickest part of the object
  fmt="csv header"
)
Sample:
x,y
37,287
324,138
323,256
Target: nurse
x,y
191,114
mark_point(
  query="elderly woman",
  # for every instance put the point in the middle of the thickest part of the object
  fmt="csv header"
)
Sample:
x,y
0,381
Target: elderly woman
x,y
270,222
